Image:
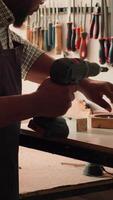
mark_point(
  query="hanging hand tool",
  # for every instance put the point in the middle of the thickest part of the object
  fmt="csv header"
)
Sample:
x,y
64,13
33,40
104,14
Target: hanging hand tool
x,y
78,29
91,17
30,28
34,28
34,33
69,28
83,45
95,22
97,27
46,45
38,27
111,33
53,27
50,27
111,52
102,58
58,33
73,37
32,38
107,38
41,41
91,10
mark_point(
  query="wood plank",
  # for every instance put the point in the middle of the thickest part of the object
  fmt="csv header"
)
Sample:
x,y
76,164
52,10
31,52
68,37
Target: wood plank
x,y
80,190
102,122
69,148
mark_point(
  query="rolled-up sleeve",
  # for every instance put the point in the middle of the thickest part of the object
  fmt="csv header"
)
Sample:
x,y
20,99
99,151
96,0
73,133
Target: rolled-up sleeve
x,y
30,54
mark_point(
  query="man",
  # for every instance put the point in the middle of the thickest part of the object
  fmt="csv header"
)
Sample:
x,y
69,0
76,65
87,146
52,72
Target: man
x,y
49,100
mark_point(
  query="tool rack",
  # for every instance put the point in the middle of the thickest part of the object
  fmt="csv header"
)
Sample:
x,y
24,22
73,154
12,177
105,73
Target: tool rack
x,y
64,10
66,27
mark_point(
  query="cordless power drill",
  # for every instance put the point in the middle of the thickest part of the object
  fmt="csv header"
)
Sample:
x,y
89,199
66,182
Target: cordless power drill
x,y
64,71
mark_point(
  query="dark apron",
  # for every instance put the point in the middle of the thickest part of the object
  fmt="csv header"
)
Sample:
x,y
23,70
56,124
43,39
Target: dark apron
x,y
10,84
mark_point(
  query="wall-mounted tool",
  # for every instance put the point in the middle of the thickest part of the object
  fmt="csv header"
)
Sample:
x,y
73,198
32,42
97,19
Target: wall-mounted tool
x,y
30,28
58,33
91,8
78,29
53,27
102,58
91,16
46,45
111,52
38,27
83,45
95,22
50,27
73,38
41,29
69,28
107,37
34,29
111,47
104,40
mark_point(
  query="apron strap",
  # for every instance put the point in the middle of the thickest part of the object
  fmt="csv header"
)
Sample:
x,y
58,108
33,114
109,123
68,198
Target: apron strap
x,y
1,48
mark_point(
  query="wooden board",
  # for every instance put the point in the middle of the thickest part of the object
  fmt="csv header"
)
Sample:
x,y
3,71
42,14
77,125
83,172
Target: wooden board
x,y
72,148
102,121
69,192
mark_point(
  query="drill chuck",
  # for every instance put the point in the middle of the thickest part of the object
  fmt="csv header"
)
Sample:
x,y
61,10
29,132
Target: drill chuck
x,y
103,69
66,71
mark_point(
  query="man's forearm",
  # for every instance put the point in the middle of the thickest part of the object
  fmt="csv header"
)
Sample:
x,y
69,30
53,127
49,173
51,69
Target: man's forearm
x,y
83,84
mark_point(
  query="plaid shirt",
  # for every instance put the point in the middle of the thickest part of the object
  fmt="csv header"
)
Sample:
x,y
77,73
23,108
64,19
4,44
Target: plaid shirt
x,y
30,52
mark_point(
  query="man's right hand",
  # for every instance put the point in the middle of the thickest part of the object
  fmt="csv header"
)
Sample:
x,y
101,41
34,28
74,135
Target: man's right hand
x,y
52,100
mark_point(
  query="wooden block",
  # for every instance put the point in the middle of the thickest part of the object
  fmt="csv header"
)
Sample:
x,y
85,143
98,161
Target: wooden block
x,y
102,121
81,125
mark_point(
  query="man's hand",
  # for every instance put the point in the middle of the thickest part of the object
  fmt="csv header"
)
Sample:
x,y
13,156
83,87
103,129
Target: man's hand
x,y
52,99
95,90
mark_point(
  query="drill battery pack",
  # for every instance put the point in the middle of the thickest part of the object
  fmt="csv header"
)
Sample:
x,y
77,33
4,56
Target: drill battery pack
x,y
49,127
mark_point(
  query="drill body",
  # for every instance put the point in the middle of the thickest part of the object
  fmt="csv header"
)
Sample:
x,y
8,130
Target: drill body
x,y
67,71
64,71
